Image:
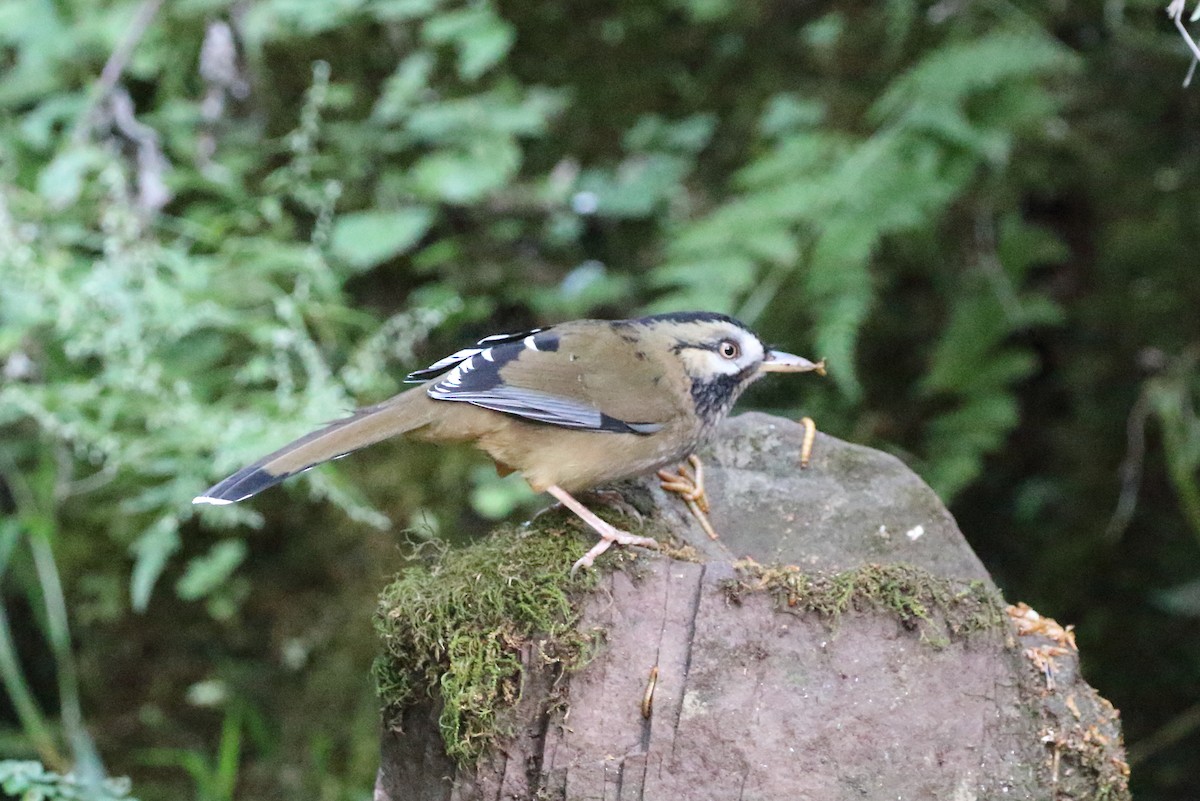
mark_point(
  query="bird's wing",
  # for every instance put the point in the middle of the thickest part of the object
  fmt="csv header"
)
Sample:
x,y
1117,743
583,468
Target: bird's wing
x,y
582,375
458,357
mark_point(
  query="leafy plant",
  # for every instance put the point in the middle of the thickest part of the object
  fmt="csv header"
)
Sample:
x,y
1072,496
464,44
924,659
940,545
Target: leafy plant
x,y
30,781
811,212
215,778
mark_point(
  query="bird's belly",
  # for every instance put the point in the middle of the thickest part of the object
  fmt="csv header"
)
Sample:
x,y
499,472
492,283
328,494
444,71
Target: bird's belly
x,y
576,460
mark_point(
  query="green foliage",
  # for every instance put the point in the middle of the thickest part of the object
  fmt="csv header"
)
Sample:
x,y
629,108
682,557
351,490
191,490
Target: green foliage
x,y
1169,401
46,588
108,340
819,203
367,238
974,366
30,781
215,778
1174,398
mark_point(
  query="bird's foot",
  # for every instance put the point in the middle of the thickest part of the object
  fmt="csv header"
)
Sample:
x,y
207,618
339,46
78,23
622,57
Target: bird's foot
x,y
690,487
687,485
607,538
607,531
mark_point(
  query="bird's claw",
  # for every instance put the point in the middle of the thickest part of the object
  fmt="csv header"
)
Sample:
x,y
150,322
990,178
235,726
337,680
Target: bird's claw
x,y
687,486
691,488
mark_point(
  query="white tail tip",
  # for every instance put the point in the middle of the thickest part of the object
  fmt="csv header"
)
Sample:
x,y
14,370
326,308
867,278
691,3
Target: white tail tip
x,y
213,501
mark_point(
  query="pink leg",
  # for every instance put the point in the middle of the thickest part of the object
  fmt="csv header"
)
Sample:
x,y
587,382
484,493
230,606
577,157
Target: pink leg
x,y
608,532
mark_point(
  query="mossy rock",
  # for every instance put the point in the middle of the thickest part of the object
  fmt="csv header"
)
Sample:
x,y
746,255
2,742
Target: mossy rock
x,y
457,629
839,641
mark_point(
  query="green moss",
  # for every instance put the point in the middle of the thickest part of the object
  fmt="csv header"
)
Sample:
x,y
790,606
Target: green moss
x,y
940,608
456,630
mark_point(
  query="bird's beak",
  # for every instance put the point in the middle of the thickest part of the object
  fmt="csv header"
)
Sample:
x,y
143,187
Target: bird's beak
x,y
779,362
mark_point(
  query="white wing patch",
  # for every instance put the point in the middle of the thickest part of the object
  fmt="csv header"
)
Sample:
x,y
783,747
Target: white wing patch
x,y
482,348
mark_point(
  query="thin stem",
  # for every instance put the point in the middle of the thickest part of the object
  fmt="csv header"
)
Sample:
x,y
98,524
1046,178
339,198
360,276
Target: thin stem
x,y
115,66
87,758
32,721
1179,727
40,527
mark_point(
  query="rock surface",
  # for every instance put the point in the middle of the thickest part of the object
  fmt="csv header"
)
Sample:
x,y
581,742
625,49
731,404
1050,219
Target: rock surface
x,y
852,505
756,699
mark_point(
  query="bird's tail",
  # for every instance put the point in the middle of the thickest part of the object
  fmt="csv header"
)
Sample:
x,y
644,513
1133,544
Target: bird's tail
x,y
401,414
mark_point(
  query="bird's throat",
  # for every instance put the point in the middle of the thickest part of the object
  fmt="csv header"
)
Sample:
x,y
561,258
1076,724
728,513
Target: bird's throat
x,y
714,396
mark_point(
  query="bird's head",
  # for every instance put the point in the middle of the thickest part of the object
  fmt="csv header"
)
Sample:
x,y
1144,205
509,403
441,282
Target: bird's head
x,y
722,357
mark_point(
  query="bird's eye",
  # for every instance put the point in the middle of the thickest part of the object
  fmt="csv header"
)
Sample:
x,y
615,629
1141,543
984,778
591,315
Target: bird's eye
x,y
729,349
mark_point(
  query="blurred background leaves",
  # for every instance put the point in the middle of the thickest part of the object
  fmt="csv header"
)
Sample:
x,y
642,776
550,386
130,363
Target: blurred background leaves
x,y
223,222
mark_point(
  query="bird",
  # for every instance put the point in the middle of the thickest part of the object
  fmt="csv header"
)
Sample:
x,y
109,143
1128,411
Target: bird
x,y
569,406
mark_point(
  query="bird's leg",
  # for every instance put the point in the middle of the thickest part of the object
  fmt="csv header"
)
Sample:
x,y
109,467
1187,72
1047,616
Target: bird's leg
x,y
614,500
691,489
607,531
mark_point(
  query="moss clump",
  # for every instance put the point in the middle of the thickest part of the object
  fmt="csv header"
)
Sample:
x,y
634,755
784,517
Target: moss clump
x,y
455,630
941,608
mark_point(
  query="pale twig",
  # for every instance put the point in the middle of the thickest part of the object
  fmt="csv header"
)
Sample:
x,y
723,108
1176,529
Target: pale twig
x,y
152,165
114,67
1130,471
1178,728
1175,11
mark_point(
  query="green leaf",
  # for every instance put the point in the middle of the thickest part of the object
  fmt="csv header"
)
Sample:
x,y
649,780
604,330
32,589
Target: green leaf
x,y
787,113
403,88
1182,600
366,238
481,37
399,10
689,135
469,120
955,71
495,498
709,284
31,781
62,181
205,573
465,177
637,187
152,549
